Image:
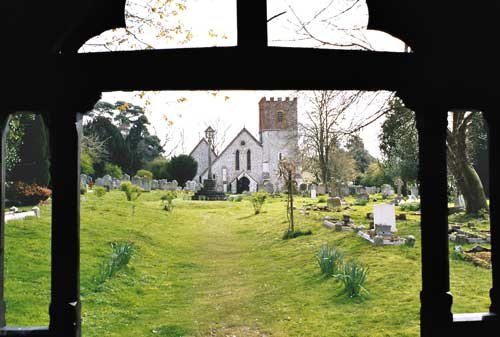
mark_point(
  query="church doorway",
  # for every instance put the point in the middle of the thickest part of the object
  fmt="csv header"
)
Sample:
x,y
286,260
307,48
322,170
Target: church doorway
x,y
243,184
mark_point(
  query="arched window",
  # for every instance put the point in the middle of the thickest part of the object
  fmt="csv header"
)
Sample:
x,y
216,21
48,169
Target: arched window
x,y
249,160
237,160
280,116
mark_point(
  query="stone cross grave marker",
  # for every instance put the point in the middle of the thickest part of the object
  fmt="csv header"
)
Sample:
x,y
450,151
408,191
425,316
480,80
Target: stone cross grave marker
x,y
385,214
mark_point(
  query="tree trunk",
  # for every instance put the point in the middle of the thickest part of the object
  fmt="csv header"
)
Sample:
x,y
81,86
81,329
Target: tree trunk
x,y
468,181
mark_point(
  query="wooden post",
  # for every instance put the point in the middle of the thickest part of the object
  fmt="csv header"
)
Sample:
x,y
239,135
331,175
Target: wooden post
x,y
252,23
494,164
65,177
4,128
436,300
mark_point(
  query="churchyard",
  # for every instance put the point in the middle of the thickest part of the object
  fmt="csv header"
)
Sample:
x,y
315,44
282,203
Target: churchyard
x,y
218,269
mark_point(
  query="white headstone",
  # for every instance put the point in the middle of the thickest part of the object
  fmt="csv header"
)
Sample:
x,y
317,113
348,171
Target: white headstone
x,y
385,214
313,194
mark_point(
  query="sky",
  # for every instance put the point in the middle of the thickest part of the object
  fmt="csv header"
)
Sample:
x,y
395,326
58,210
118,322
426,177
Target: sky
x,y
183,116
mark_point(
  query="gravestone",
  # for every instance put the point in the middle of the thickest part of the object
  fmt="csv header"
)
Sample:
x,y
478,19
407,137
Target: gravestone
x,y
125,177
364,196
414,192
313,194
385,214
268,187
334,203
383,230
321,189
371,190
387,190
399,186
460,202
99,182
136,180
154,184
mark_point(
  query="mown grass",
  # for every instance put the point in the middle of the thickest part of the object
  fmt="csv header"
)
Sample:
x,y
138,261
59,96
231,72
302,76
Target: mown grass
x,y
217,269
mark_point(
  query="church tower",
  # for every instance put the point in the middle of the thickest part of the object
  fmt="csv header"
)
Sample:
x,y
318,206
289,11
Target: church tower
x,y
278,135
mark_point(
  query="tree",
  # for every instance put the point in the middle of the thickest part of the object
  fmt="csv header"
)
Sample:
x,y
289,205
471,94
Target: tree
x,y
356,149
342,168
33,164
113,170
459,162
123,128
158,167
323,128
399,142
182,168
286,171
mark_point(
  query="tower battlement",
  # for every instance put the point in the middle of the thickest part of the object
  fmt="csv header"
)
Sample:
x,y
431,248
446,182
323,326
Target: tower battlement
x,y
277,113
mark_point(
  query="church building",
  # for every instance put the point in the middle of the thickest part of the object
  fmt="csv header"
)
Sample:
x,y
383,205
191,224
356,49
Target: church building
x,y
249,163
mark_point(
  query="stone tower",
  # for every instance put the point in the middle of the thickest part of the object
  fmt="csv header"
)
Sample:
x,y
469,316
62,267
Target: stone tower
x,y
278,135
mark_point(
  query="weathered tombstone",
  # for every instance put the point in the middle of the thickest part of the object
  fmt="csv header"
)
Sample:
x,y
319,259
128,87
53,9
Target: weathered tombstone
x,y
36,210
99,182
399,186
383,230
338,226
414,192
313,194
387,190
146,184
385,214
154,184
460,202
125,177
321,189
364,196
303,187
268,187
334,203
410,241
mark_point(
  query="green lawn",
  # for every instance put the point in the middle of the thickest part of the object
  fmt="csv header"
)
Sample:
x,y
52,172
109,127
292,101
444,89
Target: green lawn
x,y
215,269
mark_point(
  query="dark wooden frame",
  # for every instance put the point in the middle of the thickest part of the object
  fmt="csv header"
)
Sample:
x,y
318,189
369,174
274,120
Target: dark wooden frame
x,y
76,82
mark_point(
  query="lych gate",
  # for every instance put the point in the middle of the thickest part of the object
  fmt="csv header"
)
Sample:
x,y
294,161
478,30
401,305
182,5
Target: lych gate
x,y
441,73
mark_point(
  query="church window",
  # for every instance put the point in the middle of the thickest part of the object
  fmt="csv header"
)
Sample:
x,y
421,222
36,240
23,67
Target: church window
x,y
280,156
237,160
249,160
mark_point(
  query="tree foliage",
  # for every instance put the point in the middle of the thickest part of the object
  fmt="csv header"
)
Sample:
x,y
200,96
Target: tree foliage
x,y
399,142
182,168
123,128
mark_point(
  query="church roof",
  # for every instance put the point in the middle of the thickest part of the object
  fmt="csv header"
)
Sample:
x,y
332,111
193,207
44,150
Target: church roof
x,y
244,130
202,141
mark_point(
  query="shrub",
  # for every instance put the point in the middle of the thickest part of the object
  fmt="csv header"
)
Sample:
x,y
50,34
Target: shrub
x,y
121,253
113,170
294,234
258,199
410,206
181,168
145,174
100,191
321,200
353,277
360,202
159,168
330,260
167,200
132,192
22,194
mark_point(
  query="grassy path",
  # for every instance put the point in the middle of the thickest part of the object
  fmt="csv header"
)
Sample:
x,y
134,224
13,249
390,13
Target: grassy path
x,y
215,269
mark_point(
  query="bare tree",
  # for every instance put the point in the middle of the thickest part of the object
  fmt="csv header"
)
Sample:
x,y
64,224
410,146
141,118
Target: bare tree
x,y
149,24
287,170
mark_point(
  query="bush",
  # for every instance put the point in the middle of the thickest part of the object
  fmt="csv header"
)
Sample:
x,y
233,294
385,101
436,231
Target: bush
x,y
121,254
258,199
294,234
330,260
100,191
321,200
410,206
132,192
22,194
353,277
159,168
167,200
360,202
145,174
113,170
